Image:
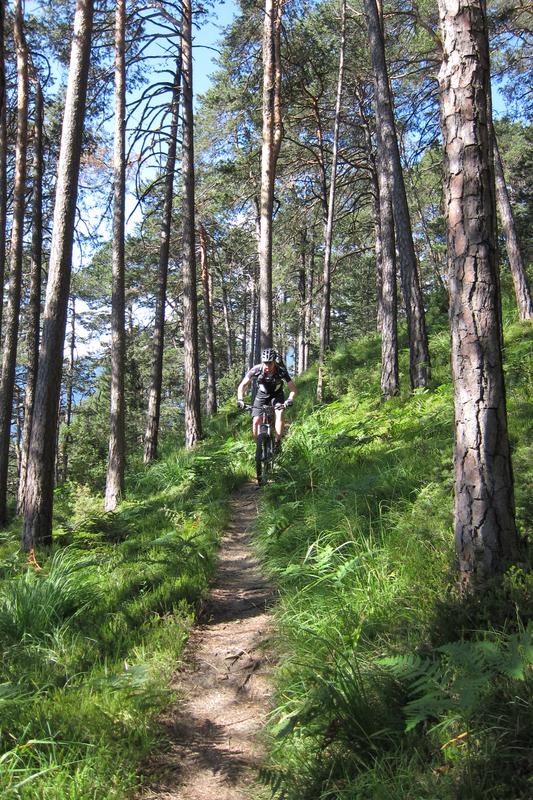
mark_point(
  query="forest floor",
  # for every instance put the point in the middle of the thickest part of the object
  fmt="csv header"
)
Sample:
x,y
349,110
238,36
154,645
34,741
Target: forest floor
x,y
213,746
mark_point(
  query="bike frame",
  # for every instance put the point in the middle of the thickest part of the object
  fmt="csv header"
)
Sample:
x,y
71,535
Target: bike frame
x,y
264,445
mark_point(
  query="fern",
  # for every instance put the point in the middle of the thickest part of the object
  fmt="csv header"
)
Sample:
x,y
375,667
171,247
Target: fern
x,y
455,681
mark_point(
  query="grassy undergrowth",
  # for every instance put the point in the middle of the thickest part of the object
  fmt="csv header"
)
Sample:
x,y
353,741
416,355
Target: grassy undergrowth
x,y
390,686
90,640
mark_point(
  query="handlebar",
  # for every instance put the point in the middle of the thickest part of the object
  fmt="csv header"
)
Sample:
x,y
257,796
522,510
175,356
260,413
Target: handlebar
x,y
276,406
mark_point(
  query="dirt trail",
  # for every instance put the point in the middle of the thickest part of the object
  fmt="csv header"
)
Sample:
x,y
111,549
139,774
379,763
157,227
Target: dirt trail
x,y
214,750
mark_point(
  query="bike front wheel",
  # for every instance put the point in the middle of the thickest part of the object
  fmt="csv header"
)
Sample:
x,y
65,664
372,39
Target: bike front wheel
x,y
263,457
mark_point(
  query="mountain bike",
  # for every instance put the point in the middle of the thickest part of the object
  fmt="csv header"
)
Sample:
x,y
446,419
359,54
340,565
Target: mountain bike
x,y
265,451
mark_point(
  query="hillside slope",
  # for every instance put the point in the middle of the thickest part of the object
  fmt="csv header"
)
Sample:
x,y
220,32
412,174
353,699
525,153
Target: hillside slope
x,y
391,685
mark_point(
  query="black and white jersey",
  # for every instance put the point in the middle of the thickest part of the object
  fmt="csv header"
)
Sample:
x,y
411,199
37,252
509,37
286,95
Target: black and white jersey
x,y
269,385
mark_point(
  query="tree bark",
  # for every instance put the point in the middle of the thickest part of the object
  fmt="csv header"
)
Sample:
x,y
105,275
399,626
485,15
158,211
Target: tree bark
x,y
228,322
302,286
193,427
244,351
37,527
419,365
516,264
3,162
69,393
325,311
253,319
34,304
154,400
117,447
485,531
9,360
271,144
390,378
378,247
211,393
309,302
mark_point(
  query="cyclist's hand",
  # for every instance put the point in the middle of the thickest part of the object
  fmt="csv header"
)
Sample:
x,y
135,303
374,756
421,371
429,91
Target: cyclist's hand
x,y
240,405
288,403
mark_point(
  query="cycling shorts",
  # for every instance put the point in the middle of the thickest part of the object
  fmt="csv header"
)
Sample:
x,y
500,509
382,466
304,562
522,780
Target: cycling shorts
x,y
266,400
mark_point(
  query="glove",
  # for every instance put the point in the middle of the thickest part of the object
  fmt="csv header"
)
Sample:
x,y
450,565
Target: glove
x,y
240,405
288,403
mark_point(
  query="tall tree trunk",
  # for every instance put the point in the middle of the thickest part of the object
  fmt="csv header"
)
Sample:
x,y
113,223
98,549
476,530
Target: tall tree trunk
x,y
419,365
228,326
378,247
390,378
302,286
436,258
9,360
193,425
37,527
516,264
69,393
34,305
308,316
154,400
325,311
485,531
244,351
270,147
253,319
211,394
3,162
117,448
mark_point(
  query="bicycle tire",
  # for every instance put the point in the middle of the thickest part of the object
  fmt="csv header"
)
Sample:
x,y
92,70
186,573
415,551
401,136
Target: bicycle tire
x,y
268,457
263,457
259,457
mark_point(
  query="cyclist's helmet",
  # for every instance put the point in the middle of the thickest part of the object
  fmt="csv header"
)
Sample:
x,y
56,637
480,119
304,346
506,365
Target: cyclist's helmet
x,y
269,354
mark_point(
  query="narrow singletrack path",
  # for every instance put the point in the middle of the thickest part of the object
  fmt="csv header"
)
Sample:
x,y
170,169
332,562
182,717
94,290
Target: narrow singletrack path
x,y
224,691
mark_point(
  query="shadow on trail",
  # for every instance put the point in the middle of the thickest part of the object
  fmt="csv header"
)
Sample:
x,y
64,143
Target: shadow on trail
x,y
213,751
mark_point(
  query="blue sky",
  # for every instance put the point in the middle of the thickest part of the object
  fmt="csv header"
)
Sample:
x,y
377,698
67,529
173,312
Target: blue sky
x,y
205,39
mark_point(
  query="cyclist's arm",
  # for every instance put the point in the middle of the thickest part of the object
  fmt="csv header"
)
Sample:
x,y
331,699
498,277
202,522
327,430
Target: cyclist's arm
x,y
291,386
242,388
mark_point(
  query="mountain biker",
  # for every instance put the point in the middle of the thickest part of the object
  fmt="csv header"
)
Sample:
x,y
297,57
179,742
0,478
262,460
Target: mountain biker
x,y
270,375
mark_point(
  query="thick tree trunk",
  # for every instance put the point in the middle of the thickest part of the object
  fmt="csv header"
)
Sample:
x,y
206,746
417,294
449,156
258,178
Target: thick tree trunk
x,y
39,483
516,264
419,368
271,143
211,393
485,531
34,304
154,399
3,162
9,360
117,446
193,427
325,310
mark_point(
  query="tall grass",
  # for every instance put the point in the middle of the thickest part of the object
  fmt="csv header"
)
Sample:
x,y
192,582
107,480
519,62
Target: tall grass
x,y
390,685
